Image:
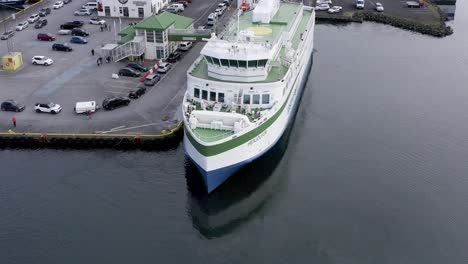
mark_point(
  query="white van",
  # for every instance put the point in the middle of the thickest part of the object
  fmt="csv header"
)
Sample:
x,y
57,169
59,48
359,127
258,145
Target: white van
x,y
90,6
84,107
178,7
212,18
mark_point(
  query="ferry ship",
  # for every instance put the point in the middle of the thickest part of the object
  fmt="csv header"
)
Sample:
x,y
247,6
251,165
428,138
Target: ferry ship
x,y
4,3
244,88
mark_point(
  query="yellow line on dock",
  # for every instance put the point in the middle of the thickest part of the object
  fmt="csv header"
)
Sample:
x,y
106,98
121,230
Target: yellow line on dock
x,y
117,128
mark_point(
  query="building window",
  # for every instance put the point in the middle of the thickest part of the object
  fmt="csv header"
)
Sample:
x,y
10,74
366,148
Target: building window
x,y
256,99
233,63
262,63
216,61
253,64
149,36
221,97
225,62
242,64
159,37
265,99
246,98
196,93
204,95
212,96
141,12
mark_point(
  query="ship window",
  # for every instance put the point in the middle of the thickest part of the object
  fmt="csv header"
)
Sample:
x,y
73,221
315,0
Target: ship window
x,y
262,63
265,99
212,96
233,63
256,99
225,62
252,64
208,58
242,64
221,97
204,95
246,98
196,93
216,61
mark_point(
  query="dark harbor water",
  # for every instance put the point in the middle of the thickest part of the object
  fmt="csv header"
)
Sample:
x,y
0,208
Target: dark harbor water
x,y
375,171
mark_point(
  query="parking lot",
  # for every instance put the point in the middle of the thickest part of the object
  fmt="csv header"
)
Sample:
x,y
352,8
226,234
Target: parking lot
x,y
75,76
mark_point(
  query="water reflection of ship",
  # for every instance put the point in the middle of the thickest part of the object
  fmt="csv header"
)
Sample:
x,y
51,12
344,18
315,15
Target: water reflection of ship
x,y
237,200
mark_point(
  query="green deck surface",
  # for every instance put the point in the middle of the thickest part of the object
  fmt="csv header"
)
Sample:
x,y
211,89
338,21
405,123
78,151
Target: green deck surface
x,y
301,28
211,135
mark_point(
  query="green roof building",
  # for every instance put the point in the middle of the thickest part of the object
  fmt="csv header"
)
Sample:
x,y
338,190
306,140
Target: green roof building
x,y
152,32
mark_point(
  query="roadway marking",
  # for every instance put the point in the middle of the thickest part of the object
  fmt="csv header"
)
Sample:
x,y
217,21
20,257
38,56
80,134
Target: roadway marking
x,y
117,128
128,128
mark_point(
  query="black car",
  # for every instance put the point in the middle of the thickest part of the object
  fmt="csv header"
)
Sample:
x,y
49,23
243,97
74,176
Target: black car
x,y
41,23
137,93
44,12
79,32
173,57
77,23
151,79
67,1
137,67
72,25
12,105
129,72
61,47
114,102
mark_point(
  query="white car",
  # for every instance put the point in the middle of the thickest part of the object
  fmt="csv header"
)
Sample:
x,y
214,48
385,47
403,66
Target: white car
x,y
58,5
42,60
324,2
163,67
222,6
22,25
334,9
219,11
86,107
33,18
64,32
379,7
48,108
82,12
322,7
97,21
186,45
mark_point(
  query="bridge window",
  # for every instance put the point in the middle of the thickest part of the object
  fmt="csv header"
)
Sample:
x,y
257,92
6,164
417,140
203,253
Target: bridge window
x,y
149,36
225,62
253,64
265,99
256,99
196,93
246,98
208,58
221,97
216,61
204,95
242,64
262,63
212,96
233,63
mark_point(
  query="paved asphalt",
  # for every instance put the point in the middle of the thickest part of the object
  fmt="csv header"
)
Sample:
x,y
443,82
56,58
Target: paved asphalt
x,y
75,76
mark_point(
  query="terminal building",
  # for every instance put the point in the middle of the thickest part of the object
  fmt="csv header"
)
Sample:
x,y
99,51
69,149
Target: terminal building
x,y
130,8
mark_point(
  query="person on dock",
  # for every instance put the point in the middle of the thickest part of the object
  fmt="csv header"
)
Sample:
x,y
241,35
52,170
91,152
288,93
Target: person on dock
x,y
102,28
105,26
92,52
13,120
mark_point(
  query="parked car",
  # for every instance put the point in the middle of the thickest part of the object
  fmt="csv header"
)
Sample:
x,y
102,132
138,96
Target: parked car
x,y
164,67
129,72
172,10
79,32
219,11
379,7
360,4
22,25
90,6
7,35
57,5
82,12
184,3
324,2
137,67
137,93
223,6
61,47
227,2
178,7
64,32
12,105
68,26
334,9
42,60
173,57
41,23
78,40
86,107
151,79
48,108
45,37
186,45
67,1
97,21
321,7
77,23
33,18
115,102
44,12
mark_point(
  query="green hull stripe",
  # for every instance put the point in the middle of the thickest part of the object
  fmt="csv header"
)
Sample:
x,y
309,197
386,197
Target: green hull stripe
x,y
220,148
